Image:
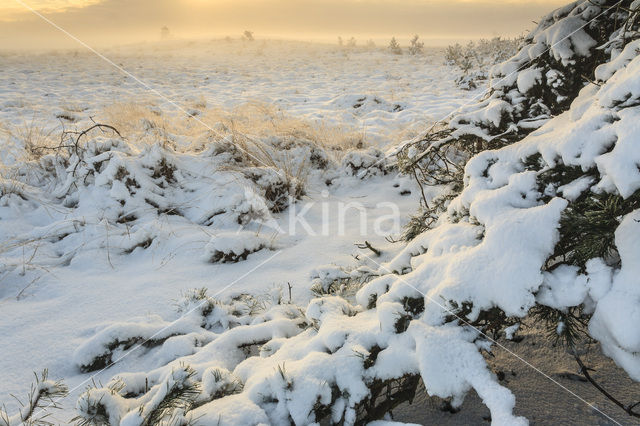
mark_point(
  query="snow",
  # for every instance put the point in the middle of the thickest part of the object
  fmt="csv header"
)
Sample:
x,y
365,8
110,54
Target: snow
x,y
450,364
362,164
583,137
528,78
563,287
321,83
620,306
573,190
568,36
234,246
235,410
511,223
86,281
169,207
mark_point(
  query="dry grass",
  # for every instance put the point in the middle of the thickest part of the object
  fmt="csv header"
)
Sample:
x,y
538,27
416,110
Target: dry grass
x,y
20,147
253,120
31,138
133,119
264,120
262,132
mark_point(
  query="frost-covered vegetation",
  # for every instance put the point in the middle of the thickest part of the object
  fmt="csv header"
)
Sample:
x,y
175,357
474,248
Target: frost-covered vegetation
x,y
394,47
121,180
78,268
476,58
44,396
536,219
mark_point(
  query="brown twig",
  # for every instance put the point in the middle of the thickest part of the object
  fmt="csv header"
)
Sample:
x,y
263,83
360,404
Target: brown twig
x,y
76,143
367,245
585,372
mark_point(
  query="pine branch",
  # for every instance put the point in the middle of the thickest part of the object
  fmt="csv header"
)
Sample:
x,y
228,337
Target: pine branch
x,y
44,395
180,395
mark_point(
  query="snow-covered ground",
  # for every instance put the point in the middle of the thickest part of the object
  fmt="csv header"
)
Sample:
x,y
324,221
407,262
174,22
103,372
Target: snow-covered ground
x,y
378,93
67,273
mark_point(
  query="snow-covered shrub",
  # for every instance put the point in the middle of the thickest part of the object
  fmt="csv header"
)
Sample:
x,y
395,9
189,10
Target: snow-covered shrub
x,y
176,393
571,171
278,189
334,280
120,182
327,277
202,319
234,246
364,164
342,362
364,104
147,181
476,58
173,393
583,171
394,47
248,35
416,47
525,92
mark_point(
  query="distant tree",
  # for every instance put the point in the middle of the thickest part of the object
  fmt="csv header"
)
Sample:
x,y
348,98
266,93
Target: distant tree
x,y
248,35
416,46
340,41
165,33
371,44
351,42
394,47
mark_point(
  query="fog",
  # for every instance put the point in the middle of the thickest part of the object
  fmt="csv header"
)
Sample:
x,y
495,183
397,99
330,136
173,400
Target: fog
x,y
112,22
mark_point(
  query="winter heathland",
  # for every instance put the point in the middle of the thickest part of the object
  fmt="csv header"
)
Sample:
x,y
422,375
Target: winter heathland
x,y
528,216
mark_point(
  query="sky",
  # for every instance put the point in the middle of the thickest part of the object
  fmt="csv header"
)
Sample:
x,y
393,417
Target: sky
x,y
113,22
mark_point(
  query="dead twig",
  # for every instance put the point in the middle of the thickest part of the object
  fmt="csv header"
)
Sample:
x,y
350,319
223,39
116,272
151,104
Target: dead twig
x,y
585,372
75,145
367,245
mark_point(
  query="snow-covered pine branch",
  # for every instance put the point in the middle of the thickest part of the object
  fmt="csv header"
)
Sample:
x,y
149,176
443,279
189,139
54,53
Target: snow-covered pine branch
x,y
45,395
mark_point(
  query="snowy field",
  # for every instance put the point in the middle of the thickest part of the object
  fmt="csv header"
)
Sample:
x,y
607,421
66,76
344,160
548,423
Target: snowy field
x,y
64,273
316,82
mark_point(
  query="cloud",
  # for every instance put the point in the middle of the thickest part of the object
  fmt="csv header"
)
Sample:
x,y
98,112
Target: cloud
x,y
11,10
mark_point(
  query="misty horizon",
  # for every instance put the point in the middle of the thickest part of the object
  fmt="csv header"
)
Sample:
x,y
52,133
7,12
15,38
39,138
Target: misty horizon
x,y
116,22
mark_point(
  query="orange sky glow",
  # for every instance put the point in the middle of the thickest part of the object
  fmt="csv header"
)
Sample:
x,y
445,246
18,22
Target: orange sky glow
x,y
109,22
